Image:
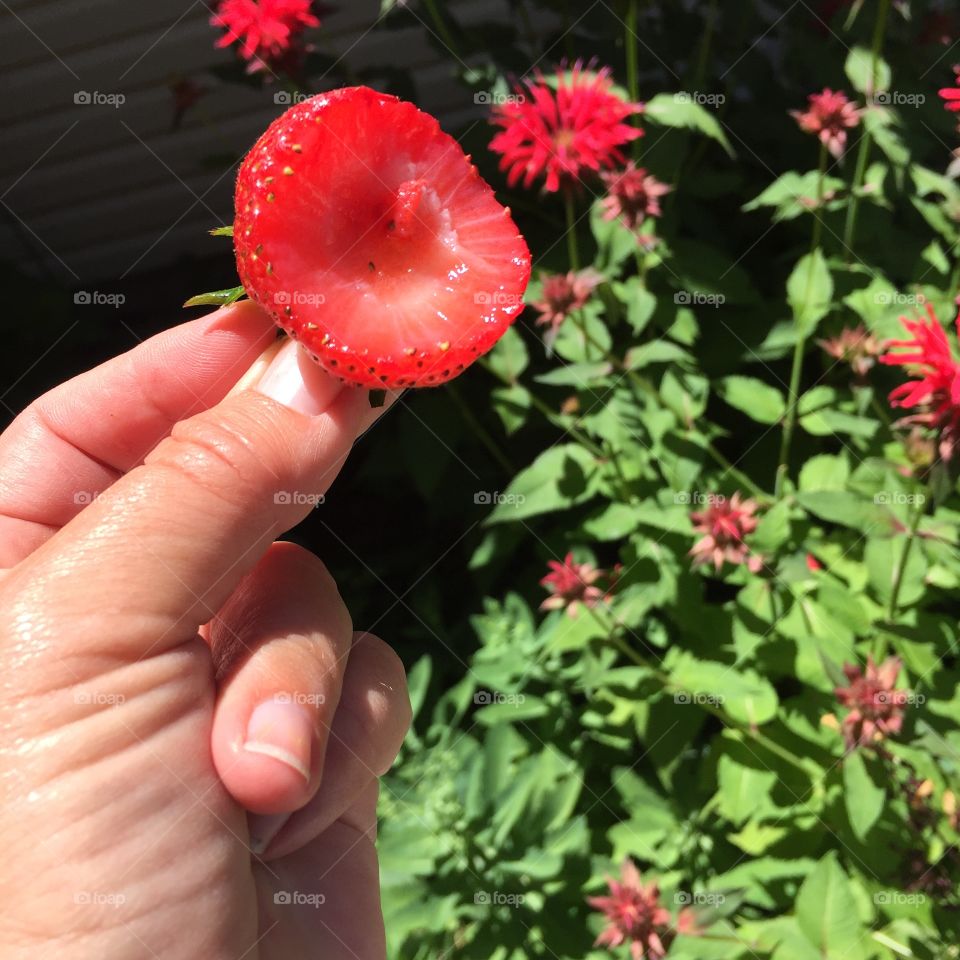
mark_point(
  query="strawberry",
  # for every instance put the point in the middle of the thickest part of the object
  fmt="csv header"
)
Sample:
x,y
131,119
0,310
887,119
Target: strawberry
x,y
368,235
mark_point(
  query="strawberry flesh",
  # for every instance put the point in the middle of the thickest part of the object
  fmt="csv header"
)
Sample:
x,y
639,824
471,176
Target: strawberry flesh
x,y
365,231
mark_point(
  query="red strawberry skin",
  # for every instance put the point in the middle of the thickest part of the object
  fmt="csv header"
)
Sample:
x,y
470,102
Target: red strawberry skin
x,y
366,233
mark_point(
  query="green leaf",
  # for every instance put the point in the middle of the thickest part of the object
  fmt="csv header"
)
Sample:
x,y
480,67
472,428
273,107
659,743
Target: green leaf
x,y
641,304
418,680
810,291
864,799
615,241
583,376
512,708
790,194
509,358
742,787
758,400
882,558
824,472
657,351
708,278
512,405
847,509
756,837
222,231
827,911
216,298
773,530
879,123
827,421
557,480
680,110
935,256
613,522
862,74
571,633
744,695
877,305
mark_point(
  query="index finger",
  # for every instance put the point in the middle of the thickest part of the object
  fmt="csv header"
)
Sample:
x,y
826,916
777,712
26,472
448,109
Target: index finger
x,y
76,440
158,554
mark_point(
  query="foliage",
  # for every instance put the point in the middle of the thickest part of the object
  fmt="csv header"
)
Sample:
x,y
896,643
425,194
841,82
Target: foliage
x,y
686,717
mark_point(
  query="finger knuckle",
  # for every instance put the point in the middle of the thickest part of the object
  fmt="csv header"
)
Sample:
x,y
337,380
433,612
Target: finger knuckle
x,y
217,457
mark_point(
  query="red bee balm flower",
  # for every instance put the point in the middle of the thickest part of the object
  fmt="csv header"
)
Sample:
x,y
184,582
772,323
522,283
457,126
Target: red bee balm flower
x,y
632,194
572,584
563,293
951,95
853,345
876,708
829,115
368,235
938,389
263,28
634,915
724,524
561,133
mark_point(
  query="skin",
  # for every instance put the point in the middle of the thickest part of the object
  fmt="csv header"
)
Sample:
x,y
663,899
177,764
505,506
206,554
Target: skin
x,y
146,612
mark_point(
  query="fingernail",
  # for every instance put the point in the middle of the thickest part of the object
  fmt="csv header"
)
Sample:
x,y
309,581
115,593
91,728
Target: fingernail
x,y
263,828
282,730
294,380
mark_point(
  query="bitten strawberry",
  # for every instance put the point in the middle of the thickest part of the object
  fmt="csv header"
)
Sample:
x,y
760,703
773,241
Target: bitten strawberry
x,y
365,231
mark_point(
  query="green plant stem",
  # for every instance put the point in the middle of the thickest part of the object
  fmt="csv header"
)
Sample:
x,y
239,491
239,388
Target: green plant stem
x,y
630,52
880,410
551,415
532,39
480,430
737,475
441,26
790,418
573,252
866,141
919,508
704,57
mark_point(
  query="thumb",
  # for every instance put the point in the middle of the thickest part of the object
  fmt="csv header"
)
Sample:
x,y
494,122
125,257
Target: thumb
x,y
156,555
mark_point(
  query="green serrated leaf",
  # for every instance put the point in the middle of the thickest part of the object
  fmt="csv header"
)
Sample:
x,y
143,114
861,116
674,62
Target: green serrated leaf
x,y
863,797
827,912
868,74
681,110
558,479
810,291
758,400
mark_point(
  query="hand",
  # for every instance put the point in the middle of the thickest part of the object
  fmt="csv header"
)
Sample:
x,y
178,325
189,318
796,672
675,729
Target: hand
x,y
167,667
